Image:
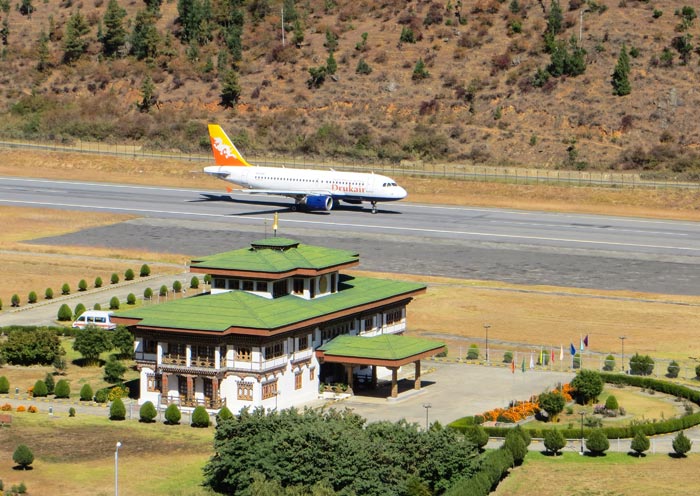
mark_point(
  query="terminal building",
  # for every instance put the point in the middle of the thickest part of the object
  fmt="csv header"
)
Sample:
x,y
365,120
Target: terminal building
x,y
265,335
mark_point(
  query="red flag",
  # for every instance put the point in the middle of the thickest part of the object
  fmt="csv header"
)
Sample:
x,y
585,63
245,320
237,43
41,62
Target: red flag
x,y
585,340
552,355
512,366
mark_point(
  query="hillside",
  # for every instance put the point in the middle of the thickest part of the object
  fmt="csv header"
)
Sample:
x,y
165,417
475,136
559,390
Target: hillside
x,y
478,100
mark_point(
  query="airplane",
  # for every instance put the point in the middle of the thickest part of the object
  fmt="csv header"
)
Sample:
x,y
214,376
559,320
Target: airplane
x,y
311,189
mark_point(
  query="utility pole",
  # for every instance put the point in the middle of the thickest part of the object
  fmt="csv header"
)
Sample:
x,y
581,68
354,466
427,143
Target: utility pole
x,y
283,25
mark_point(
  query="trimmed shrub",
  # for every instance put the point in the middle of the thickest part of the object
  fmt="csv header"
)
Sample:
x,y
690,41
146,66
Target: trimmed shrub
x,y
609,364
23,456
177,286
86,393
114,279
98,282
4,385
82,285
478,435
681,444
131,299
147,294
147,412
31,298
224,414
640,443
101,396
65,313
97,306
611,403
163,290
15,300
207,278
117,410
40,390
554,441
508,357
129,275
673,369
597,442
697,371
172,414
194,282
114,303
65,289
473,352
62,389
587,385
200,417
145,271
114,370
515,444
553,403
641,364
79,310
48,380
71,412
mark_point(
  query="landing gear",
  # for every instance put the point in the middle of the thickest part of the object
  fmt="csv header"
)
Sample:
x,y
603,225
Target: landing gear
x,y
374,207
294,207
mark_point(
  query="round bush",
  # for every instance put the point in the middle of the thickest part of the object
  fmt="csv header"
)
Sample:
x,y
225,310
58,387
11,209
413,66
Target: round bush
x,y
48,294
554,440
23,456
40,389
147,294
97,306
207,278
473,352
65,289
145,271
101,396
640,443
50,385
515,444
117,410
194,282
224,414
98,282
15,300
65,313
508,357
172,414
148,412
597,442
62,389
681,444
86,393
200,417
673,369
115,278
129,275
177,286
611,403
71,412
163,290
114,303
31,298
131,299
82,285
4,385
79,310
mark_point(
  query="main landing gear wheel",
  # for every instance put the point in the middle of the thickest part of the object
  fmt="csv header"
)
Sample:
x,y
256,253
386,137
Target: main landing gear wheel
x,y
374,207
294,207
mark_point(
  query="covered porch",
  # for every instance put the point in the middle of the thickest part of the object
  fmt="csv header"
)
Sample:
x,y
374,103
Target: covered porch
x,y
387,350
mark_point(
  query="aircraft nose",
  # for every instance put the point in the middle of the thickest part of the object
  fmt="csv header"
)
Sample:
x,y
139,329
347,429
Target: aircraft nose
x,y
401,193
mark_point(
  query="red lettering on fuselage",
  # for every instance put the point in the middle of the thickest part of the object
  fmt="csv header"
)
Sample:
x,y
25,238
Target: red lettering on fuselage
x,y
347,188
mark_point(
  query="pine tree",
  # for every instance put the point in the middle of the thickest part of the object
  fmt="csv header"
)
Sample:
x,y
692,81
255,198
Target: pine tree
x,y
23,456
42,52
640,443
75,44
331,64
5,31
148,98
620,77
681,444
230,89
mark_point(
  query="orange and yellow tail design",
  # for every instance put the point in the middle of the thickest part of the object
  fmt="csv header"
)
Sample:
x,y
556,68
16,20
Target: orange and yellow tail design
x,y
225,152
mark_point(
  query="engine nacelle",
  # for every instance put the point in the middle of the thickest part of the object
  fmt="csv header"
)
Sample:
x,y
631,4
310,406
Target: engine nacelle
x,y
320,202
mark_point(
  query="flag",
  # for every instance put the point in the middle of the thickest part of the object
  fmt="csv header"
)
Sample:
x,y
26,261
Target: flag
x,y
532,362
581,344
523,367
585,340
274,222
541,356
551,357
573,349
561,352
512,366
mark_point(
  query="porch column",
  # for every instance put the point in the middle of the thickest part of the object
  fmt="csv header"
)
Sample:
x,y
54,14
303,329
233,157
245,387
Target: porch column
x,y
188,355
374,377
348,369
190,387
164,386
214,391
394,382
416,384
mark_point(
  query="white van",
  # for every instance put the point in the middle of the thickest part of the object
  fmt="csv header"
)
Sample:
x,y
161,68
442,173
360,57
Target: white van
x,y
97,318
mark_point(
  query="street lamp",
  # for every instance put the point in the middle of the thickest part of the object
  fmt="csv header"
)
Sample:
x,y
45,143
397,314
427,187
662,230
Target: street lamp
x,y
116,469
486,327
582,413
622,341
427,406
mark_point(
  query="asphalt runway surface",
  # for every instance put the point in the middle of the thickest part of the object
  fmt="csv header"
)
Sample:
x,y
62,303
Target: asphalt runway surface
x,y
522,247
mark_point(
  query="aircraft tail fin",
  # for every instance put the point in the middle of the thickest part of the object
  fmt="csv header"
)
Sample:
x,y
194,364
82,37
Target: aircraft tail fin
x,y
225,152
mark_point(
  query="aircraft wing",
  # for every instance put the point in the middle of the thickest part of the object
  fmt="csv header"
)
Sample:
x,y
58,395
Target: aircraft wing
x,y
290,194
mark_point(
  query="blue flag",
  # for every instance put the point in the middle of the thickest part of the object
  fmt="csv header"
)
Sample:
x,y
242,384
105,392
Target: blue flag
x,y
573,349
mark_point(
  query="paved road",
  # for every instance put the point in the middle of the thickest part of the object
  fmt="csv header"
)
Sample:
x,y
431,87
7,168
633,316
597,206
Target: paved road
x,y
572,250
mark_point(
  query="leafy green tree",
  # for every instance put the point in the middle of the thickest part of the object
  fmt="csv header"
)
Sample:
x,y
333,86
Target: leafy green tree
x,y
147,412
62,389
40,390
59,364
611,403
478,435
331,64
114,279
4,385
515,444
684,47
86,393
74,42
554,441
363,68
23,456
230,89
597,442
163,291
641,364
117,410
114,370
200,417
640,443
39,346
553,403
145,39
587,385
195,17
407,35
114,303
115,36
172,414
26,8
50,384
91,342
298,37
681,444
620,77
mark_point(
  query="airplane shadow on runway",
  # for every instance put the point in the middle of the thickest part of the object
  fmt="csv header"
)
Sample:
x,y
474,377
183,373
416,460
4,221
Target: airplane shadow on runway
x,y
282,206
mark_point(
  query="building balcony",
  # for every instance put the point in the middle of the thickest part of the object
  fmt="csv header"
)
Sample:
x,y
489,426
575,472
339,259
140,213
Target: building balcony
x,y
208,403
172,359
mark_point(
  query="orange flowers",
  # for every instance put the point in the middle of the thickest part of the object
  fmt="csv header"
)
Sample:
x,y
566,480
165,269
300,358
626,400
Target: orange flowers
x,y
521,410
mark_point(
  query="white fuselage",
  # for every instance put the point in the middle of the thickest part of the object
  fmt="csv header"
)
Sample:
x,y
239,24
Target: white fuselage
x,y
347,186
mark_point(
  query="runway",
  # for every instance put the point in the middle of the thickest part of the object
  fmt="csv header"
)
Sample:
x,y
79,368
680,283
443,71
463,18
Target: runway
x,y
525,247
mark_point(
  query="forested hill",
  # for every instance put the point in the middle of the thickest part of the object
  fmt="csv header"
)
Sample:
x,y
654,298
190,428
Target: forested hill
x,y
577,84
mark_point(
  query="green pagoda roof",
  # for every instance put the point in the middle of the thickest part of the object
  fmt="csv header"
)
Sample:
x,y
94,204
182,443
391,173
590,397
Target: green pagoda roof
x,y
275,255
382,347
218,312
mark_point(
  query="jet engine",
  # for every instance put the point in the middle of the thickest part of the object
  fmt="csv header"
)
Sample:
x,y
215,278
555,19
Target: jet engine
x,y
320,202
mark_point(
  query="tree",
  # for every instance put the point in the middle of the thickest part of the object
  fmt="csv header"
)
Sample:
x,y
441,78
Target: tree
x,y
145,38
114,303
98,282
65,289
82,285
39,346
200,417
620,76
65,313
553,403
230,89
194,282
15,300
473,352
129,275
145,271
86,393
681,444
148,95
50,384
114,279
62,389
419,71
131,299
641,364
90,342
515,444
609,364
23,456
5,31
224,414
48,294
114,37
117,410
588,385
31,298
4,385
172,414
597,442
79,310
177,286
640,443
673,369
331,64
122,339
147,294
147,412
478,435
363,68
40,390
554,441
27,8
317,76
114,370
74,42
611,403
